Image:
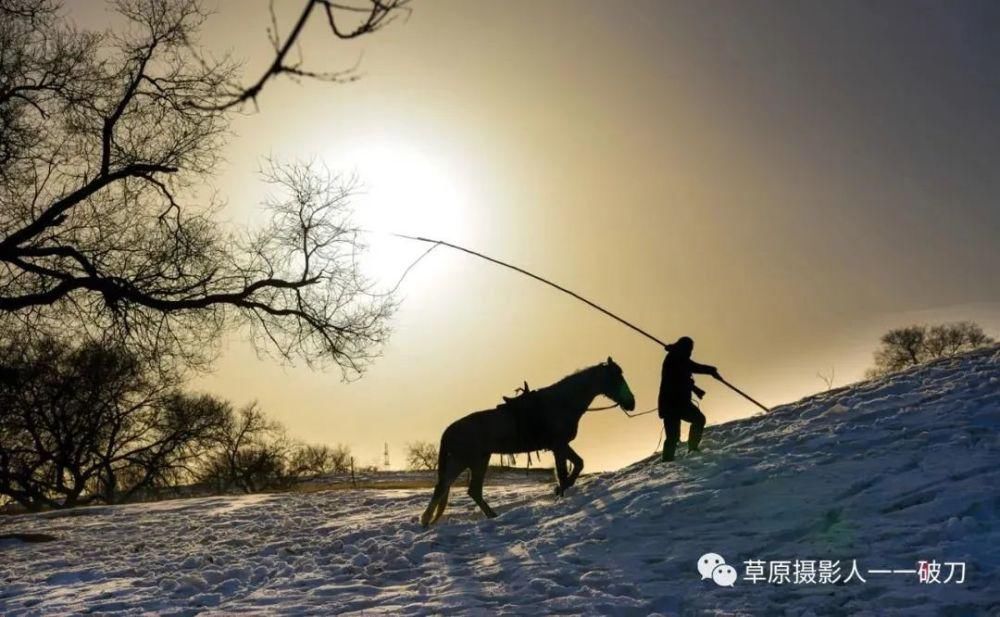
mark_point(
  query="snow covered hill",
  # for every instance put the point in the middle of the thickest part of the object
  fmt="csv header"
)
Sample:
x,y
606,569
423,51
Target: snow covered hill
x,y
882,475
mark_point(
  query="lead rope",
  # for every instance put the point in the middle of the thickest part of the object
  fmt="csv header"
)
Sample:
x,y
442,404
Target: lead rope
x,y
631,415
662,434
659,439
634,415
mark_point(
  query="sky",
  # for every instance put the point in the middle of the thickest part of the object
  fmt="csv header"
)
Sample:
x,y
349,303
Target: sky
x,y
781,181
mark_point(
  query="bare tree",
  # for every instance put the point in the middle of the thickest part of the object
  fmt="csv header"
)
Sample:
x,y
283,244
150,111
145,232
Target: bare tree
x,y
827,378
949,339
902,348
251,453
340,458
316,460
106,142
93,422
160,447
421,455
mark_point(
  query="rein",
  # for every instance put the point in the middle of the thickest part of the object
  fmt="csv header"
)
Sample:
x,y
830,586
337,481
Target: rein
x,y
631,415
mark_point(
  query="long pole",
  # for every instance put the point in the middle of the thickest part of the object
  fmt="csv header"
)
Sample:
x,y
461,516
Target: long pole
x,y
565,291
742,393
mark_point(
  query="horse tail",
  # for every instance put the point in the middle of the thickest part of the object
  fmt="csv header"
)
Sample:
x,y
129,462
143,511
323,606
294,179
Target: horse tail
x,y
442,503
443,480
441,490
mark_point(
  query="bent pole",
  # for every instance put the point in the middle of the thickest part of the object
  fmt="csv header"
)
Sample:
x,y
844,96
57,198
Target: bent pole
x,y
565,291
537,278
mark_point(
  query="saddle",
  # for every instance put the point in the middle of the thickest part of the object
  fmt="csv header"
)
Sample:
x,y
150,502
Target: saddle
x,y
524,398
531,426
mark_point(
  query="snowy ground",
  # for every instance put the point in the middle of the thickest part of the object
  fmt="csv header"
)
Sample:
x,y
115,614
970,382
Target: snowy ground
x,y
886,473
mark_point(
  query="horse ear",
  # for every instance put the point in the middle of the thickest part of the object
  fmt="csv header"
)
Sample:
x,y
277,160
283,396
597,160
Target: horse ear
x,y
610,361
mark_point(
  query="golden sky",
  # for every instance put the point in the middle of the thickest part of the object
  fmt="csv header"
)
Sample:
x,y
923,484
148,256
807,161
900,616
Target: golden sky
x,y
781,181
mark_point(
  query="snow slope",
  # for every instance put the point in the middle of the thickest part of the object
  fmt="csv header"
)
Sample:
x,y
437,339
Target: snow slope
x,y
887,473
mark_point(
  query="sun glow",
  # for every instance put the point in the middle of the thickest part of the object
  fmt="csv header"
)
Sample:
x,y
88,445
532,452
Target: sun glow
x,y
403,189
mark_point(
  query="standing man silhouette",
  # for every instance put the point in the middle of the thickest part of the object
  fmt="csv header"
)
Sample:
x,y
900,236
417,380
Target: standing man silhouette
x,y
675,404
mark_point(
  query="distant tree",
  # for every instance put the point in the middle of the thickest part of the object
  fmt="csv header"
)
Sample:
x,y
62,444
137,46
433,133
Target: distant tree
x,y
312,460
93,422
902,348
828,379
950,339
340,458
251,453
109,142
421,455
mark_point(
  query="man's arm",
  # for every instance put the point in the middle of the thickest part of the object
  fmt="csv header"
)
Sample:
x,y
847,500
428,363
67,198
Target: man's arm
x,y
704,369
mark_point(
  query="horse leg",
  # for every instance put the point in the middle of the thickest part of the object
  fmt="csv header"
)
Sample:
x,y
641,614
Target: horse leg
x,y
477,474
562,475
577,466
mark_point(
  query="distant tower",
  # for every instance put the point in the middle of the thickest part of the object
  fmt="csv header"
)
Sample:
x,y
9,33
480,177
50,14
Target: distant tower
x,y
385,456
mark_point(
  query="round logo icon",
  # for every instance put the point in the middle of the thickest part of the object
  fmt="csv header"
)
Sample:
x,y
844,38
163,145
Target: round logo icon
x,y
708,562
724,575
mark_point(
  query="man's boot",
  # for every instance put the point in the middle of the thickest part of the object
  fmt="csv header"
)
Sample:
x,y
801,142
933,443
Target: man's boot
x,y
668,451
694,437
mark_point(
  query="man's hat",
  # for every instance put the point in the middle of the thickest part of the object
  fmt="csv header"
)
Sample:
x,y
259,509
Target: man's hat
x,y
684,344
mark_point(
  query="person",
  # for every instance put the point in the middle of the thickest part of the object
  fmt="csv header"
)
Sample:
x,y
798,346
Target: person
x,y
676,387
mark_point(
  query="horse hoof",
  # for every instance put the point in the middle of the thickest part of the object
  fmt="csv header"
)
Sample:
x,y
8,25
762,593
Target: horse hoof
x,y
559,491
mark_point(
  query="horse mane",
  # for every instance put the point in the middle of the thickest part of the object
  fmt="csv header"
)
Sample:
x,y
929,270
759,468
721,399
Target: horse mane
x,y
526,396
572,378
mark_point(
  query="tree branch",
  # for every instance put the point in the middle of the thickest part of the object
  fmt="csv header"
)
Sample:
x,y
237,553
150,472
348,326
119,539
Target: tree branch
x,y
54,214
377,17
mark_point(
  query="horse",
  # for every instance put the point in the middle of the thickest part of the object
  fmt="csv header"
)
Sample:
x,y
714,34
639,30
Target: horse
x,y
543,419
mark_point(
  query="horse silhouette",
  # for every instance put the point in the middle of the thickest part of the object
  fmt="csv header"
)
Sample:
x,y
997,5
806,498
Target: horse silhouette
x,y
544,419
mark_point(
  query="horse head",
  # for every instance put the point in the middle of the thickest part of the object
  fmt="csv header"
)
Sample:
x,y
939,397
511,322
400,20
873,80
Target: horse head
x,y
615,387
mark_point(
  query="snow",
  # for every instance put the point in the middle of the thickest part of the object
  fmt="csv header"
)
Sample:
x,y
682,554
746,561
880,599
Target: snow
x,y
886,472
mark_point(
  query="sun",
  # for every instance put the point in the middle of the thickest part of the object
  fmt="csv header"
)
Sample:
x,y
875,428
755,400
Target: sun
x,y
406,189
